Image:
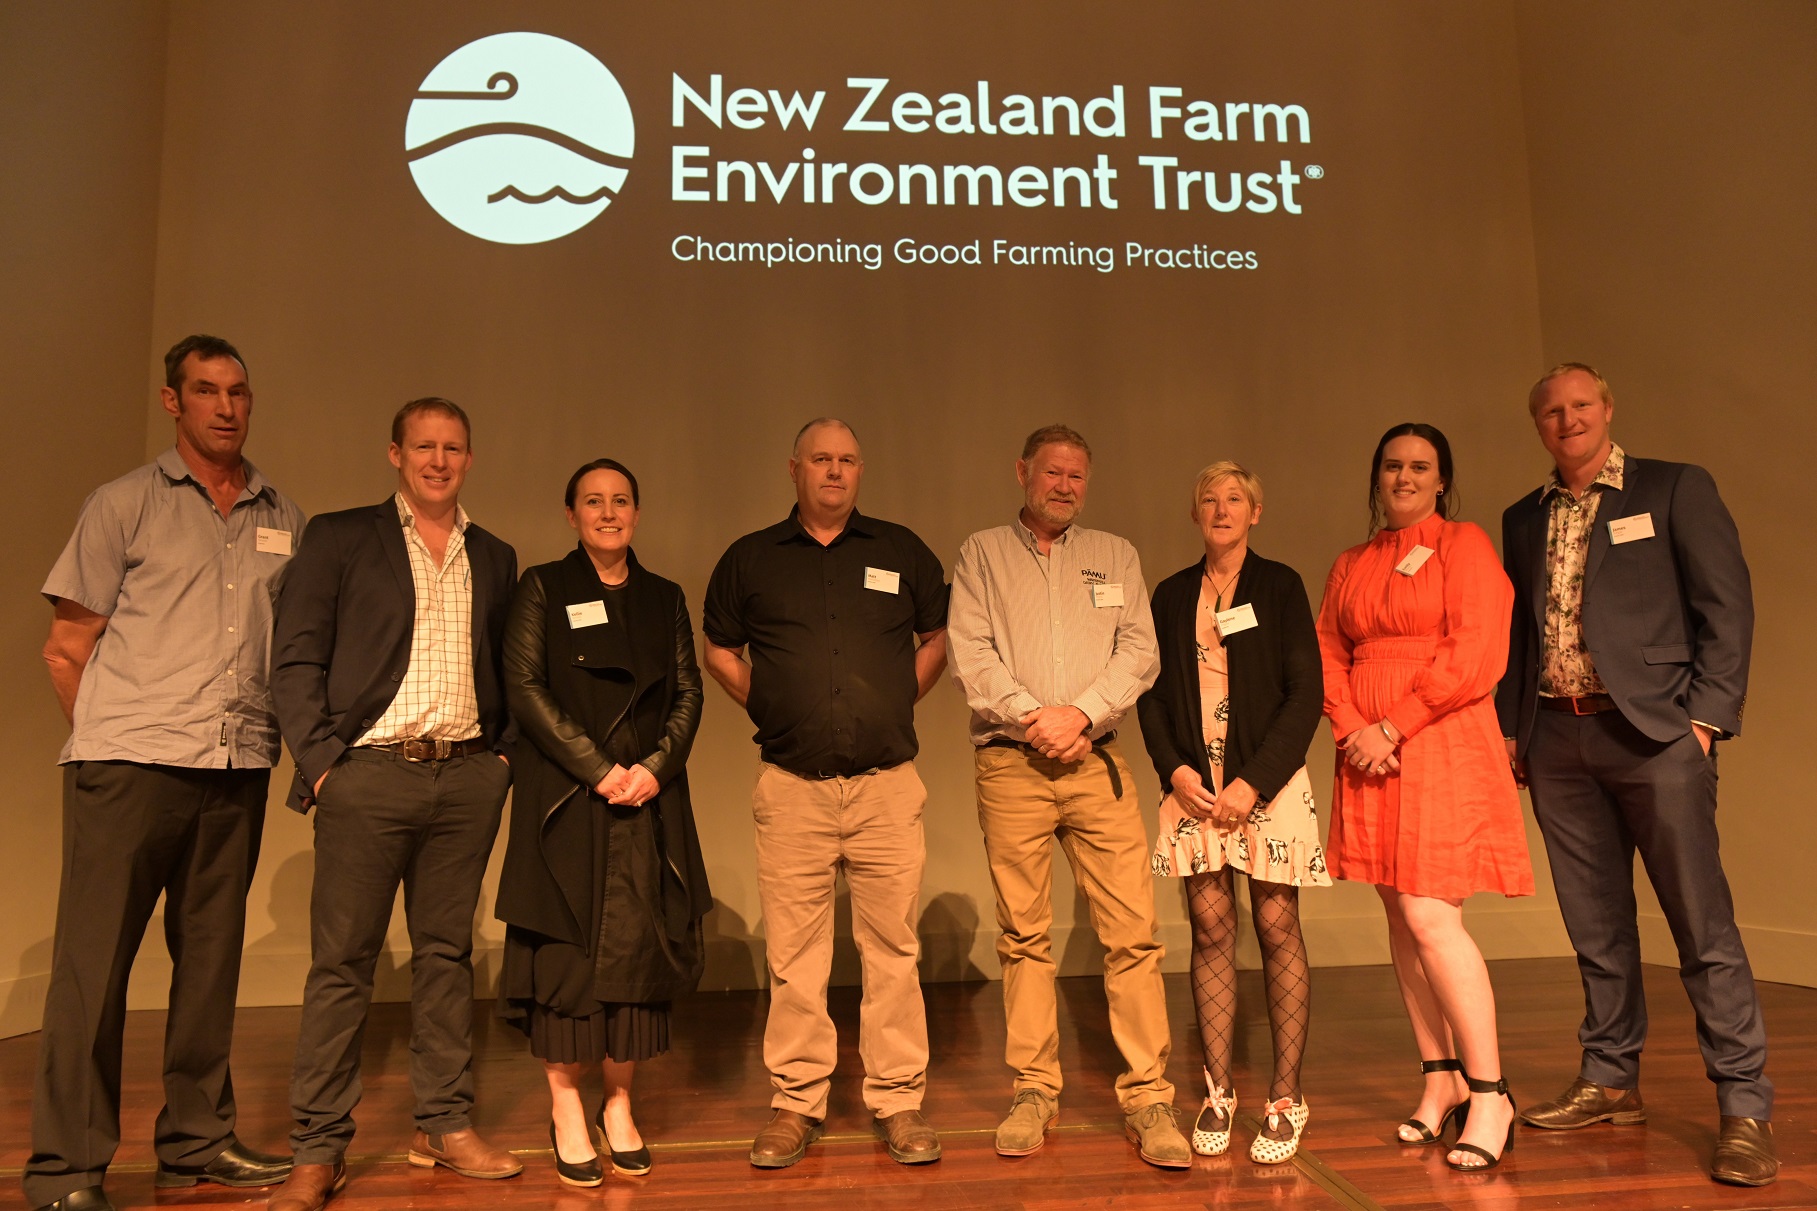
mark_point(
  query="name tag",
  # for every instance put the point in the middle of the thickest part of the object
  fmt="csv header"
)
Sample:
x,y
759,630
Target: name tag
x,y
1236,619
587,614
1416,559
277,542
1626,529
1103,596
882,580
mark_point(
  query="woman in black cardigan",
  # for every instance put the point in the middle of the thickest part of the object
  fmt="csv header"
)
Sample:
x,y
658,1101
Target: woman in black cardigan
x,y
1227,725
603,886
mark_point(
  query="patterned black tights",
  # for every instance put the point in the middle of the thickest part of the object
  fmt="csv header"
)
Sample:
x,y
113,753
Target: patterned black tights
x,y
1211,901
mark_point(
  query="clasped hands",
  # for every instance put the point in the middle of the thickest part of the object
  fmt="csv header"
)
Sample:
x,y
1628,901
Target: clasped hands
x,y
1370,750
1230,808
1058,732
632,787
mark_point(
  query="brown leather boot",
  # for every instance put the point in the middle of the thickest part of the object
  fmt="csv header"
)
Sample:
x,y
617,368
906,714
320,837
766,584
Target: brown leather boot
x,y
1584,1103
784,1140
465,1153
908,1137
309,1187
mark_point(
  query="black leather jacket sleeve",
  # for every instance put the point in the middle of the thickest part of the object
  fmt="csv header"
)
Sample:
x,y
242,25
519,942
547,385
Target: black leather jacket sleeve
x,y
540,719
671,754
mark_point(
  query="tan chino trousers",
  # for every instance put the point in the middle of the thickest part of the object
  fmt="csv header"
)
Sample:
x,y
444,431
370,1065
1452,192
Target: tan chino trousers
x,y
1024,800
808,830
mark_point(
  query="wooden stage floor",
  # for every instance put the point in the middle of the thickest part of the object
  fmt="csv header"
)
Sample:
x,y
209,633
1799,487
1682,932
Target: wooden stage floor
x,y
699,1106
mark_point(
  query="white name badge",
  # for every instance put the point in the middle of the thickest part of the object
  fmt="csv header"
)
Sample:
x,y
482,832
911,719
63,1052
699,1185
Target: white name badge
x,y
1236,619
1626,529
587,614
882,580
1104,596
1416,559
277,542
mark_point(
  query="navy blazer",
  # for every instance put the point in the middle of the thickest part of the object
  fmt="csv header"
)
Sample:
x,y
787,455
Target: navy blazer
x,y
1277,686
1668,620
341,634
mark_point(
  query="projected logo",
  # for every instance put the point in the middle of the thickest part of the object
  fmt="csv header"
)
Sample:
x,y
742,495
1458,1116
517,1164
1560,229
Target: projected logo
x,y
519,138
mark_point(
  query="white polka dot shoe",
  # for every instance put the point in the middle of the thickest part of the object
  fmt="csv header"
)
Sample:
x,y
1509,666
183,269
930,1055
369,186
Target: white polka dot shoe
x,y
1266,1151
1208,1139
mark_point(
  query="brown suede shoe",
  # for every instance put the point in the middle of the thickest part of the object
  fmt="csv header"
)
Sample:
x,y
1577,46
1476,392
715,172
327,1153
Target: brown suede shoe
x,y
1744,1152
1586,1102
308,1188
909,1138
784,1140
465,1153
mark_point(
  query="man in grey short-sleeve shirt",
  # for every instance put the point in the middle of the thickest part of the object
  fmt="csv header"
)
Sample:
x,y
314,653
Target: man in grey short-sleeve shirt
x,y
159,653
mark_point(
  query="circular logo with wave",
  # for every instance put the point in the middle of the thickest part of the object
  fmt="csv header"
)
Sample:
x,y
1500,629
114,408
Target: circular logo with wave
x,y
519,138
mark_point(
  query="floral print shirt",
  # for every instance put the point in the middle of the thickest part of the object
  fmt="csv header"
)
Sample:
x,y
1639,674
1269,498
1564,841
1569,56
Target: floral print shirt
x,y
1565,669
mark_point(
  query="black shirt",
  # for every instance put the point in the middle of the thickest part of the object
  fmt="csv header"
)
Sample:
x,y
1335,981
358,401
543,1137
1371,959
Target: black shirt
x,y
832,648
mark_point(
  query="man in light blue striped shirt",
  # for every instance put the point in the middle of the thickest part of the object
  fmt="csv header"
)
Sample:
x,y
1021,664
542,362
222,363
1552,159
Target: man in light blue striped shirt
x,y
1052,642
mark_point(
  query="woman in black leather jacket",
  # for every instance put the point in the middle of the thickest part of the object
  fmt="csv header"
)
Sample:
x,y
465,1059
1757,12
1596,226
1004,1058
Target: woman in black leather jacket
x,y
603,886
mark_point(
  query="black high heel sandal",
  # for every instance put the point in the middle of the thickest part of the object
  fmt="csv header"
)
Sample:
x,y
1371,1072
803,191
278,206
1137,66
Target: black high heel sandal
x,y
588,1173
1490,1160
1460,1112
634,1163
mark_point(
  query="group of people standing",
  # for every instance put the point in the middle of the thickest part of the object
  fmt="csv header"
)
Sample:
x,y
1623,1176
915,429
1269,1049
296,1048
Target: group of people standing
x,y
416,678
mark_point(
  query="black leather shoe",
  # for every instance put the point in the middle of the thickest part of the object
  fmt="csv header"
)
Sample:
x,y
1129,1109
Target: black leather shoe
x,y
587,1173
235,1165
88,1198
1744,1152
634,1163
1585,1103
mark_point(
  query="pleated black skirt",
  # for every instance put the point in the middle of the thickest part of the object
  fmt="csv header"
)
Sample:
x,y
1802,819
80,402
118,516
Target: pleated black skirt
x,y
619,1032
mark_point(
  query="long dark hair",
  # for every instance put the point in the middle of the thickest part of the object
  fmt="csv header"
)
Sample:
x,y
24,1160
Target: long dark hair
x,y
1447,483
601,464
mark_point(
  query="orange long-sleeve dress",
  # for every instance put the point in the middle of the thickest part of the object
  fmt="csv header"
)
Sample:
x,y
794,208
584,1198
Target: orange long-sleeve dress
x,y
1423,651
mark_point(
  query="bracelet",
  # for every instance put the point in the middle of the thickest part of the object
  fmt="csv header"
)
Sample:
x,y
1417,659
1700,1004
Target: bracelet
x,y
1385,734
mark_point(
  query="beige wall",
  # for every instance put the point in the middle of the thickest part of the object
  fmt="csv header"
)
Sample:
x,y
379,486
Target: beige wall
x,y
81,88
1673,175
1438,273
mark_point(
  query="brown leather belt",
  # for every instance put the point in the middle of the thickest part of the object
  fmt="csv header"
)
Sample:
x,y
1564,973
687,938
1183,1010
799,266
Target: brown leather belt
x,y
1589,704
432,750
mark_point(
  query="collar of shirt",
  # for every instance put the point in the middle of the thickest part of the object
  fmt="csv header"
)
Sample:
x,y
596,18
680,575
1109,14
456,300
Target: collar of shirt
x,y
793,531
1609,477
407,518
176,471
1031,541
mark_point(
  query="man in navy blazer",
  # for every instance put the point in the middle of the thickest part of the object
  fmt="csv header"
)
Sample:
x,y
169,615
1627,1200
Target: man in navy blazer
x,y
1627,665
389,689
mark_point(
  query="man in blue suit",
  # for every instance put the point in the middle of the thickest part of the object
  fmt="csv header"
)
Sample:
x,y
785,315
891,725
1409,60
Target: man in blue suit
x,y
1627,665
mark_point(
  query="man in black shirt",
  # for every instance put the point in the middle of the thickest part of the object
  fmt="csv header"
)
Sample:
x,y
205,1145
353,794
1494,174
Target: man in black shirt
x,y
830,604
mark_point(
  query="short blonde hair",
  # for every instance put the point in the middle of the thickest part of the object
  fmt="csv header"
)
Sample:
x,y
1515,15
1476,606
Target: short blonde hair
x,y
1225,469
1563,368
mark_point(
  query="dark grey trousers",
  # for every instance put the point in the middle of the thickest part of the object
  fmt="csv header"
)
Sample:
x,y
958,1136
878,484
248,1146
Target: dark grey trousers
x,y
130,833
379,821
1602,790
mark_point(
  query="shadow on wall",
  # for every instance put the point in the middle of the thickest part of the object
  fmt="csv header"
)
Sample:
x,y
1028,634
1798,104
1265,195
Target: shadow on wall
x,y
24,1007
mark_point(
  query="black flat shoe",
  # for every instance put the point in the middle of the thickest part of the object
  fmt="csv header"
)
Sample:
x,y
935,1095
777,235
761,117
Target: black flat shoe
x,y
235,1165
586,1173
635,1163
1490,1160
1459,1112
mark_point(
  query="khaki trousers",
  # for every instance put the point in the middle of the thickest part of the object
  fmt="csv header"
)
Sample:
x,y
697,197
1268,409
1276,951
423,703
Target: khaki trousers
x,y
1024,801
808,830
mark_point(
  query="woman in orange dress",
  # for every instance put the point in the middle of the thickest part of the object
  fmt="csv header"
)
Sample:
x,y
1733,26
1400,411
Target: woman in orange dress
x,y
1413,632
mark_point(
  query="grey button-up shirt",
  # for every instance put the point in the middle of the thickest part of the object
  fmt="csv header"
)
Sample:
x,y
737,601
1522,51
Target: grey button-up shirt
x,y
181,675
1027,630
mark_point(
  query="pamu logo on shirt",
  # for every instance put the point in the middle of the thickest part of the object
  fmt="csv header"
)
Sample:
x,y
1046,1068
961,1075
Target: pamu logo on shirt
x,y
519,138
